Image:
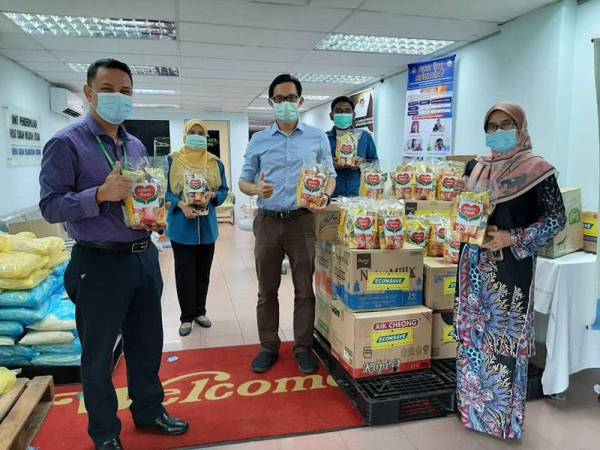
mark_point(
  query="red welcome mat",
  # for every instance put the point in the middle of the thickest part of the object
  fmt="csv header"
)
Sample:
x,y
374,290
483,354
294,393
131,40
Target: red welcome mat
x,y
223,400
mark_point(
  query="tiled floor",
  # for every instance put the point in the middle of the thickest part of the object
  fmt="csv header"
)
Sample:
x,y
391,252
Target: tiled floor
x,y
572,424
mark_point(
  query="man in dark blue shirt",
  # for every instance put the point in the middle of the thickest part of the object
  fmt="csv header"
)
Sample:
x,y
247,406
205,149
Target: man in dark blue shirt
x,y
348,177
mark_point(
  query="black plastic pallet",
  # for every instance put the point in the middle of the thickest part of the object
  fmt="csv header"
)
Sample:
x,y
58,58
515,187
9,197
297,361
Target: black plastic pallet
x,y
394,398
406,396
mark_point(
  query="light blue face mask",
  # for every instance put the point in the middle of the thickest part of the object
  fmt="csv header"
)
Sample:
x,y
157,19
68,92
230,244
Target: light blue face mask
x,y
286,112
114,107
343,121
196,142
502,141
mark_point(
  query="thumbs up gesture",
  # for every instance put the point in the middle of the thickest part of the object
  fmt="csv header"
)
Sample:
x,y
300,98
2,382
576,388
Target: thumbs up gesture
x,y
264,189
116,187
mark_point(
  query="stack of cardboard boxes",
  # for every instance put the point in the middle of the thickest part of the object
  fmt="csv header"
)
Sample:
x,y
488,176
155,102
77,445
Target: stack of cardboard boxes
x,y
370,302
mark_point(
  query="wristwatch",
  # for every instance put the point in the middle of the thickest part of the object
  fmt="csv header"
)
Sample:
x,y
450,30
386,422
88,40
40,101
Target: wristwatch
x,y
328,199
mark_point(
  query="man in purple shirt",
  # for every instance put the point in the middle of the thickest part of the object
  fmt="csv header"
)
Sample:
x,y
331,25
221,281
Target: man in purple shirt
x,y
114,277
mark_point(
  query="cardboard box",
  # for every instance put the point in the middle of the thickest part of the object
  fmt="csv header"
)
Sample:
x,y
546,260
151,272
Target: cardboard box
x,y
443,343
39,227
378,279
461,158
440,283
326,223
571,238
428,208
381,342
323,315
590,231
324,268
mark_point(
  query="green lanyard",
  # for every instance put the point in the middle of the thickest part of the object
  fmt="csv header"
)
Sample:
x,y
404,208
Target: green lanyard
x,y
111,162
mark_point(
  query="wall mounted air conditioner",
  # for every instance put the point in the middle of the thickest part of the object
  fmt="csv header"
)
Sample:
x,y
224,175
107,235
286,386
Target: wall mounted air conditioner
x,y
65,103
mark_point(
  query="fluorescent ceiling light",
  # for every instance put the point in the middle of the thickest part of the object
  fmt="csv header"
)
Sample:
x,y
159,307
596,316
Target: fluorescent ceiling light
x,y
325,78
154,91
155,105
74,26
137,70
259,108
306,97
380,44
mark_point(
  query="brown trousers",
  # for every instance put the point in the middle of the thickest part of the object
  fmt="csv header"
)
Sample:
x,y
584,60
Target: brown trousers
x,y
276,238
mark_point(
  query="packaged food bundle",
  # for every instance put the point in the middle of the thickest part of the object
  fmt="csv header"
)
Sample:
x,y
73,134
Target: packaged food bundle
x,y
473,212
40,246
416,231
344,205
310,190
403,182
146,205
195,187
372,182
425,182
346,148
439,230
361,220
391,225
450,173
452,247
56,259
20,265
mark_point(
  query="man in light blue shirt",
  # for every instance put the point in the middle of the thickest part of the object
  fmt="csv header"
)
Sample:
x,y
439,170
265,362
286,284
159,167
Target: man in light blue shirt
x,y
272,169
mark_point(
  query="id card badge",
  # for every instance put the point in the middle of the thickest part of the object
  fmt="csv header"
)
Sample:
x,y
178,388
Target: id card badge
x,y
495,255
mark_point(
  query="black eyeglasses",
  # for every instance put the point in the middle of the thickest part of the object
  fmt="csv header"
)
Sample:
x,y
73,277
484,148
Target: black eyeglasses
x,y
505,125
292,98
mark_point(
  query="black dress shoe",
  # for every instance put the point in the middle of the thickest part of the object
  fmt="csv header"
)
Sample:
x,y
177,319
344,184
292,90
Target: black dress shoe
x,y
307,362
166,424
264,361
113,444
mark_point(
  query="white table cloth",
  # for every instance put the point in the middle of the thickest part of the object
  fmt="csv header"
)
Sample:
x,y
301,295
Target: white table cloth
x,y
565,292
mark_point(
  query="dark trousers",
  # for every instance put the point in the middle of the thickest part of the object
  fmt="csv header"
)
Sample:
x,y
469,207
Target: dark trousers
x,y
276,238
118,292
192,276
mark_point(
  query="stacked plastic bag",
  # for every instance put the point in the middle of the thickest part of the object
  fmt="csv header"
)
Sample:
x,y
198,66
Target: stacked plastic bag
x,y
37,320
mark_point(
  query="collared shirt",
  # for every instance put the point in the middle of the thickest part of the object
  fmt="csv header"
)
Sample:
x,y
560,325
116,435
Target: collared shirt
x,y
348,180
73,167
281,158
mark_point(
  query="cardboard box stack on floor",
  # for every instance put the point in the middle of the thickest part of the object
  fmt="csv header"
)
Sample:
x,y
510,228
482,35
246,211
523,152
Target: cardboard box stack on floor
x,y
590,231
570,239
440,291
374,318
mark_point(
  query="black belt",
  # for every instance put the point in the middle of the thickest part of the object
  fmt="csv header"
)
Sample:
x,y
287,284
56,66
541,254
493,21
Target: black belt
x,y
283,214
121,247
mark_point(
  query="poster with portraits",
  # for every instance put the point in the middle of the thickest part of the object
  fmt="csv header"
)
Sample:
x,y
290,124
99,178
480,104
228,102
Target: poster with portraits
x,y
429,108
363,110
23,136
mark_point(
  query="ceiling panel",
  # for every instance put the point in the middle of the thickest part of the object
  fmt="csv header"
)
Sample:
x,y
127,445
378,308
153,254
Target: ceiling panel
x,y
135,46
261,15
337,3
343,70
240,52
44,66
489,10
386,24
356,59
219,34
226,64
266,77
29,55
129,58
19,41
139,9
218,82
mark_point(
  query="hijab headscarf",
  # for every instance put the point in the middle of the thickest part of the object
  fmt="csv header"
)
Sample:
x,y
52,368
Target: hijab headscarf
x,y
194,161
511,174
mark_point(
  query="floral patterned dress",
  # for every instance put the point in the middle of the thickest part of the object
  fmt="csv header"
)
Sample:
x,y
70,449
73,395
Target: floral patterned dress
x,y
494,313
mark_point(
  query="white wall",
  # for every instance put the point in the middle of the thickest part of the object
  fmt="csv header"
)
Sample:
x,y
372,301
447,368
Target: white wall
x,y
19,185
238,139
583,165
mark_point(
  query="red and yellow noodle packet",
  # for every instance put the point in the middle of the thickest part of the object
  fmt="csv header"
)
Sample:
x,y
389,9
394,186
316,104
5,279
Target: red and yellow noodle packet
x,y
425,182
310,190
372,182
438,231
472,215
391,225
416,231
346,149
403,182
146,205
